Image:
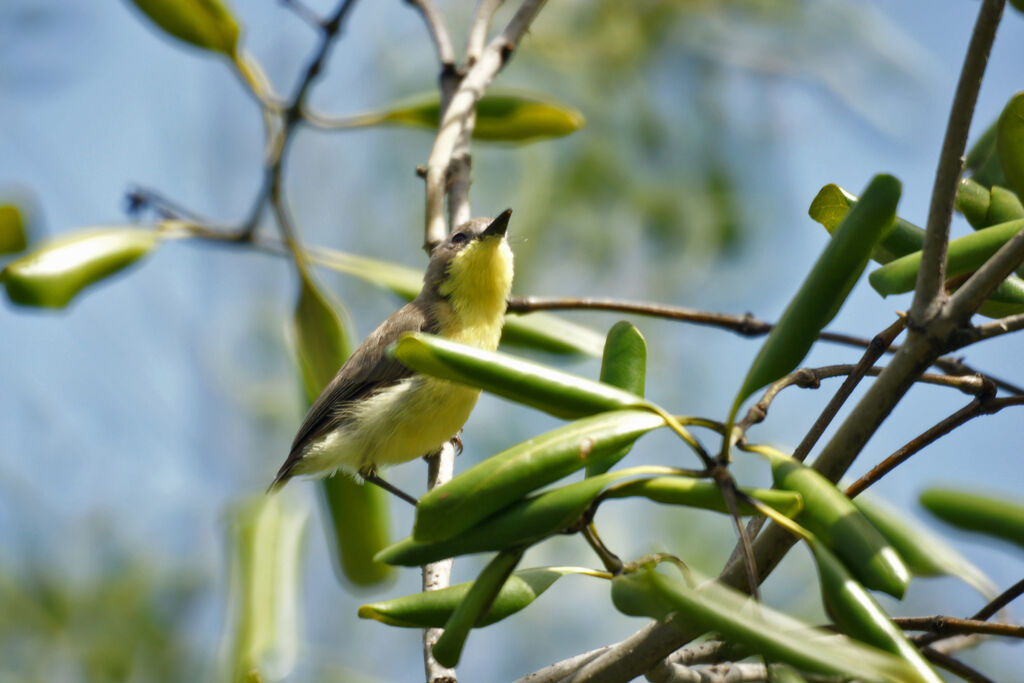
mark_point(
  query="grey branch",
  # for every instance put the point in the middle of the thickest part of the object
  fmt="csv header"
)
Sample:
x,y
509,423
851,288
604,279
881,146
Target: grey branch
x,y
481,23
438,31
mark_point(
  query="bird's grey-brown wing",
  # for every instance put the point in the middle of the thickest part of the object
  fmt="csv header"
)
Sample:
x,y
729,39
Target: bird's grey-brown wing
x,y
368,370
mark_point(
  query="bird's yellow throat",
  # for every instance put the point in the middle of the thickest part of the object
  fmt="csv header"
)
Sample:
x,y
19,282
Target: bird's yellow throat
x,y
477,284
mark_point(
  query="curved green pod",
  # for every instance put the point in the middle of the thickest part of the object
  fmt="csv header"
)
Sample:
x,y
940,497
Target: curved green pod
x,y
54,274
964,255
13,235
481,595
983,206
623,365
982,161
506,477
924,553
431,609
555,392
703,494
207,24
501,116
857,614
997,517
831,205
1010,143
832,517
521,524
712,607
826,287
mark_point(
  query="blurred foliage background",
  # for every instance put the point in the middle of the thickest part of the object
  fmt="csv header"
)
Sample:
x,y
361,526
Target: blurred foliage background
x,y
130,422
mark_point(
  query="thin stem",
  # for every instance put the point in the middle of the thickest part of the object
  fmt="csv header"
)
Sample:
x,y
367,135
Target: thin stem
x,y
1010,323
437,29
955,666
610,560
929,295
950,626
1000,601
478,28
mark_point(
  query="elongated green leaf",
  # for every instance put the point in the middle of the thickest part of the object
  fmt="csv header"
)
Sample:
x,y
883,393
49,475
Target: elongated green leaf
x,y
623,365
266,552
357,517
540,330
506,477
833,518
826,287
965,255
500,116
982,161
517,525
924,553
432,609
208,24
990,515
857,615
713,607
983,206
52,275
559,393
832,203
1010,143
703,494
481,595
12,230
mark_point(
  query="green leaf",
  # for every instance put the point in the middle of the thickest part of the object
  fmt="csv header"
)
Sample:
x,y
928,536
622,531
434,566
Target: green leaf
x,y
776,636
321,340
555,392
1010,143
481,595
964,255
432,609
506,477
208,24
541,331
983,206
520,525
12,230
831,205
703,494
834,519
623,365
857,615
924,553
266,552
997,517
982,161
825,288
54,274
501,116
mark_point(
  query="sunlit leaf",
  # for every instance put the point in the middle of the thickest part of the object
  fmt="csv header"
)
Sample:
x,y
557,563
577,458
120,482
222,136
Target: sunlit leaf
x,y
1010,143
506,477
990,515
208,24
826,287
623,365
52,275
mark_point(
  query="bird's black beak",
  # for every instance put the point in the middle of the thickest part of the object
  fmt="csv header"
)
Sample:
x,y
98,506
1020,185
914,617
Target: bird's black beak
x,y
498,226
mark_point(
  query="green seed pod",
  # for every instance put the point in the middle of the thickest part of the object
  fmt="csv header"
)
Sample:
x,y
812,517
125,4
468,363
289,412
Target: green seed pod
x,y
353,544
703,494
997,517
207,24
623,365
857,614
474,607
831,205
12,229
830,516
506,477
52,275
1010,143
431,609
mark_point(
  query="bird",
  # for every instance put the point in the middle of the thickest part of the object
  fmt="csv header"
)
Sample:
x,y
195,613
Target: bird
x,y
378,412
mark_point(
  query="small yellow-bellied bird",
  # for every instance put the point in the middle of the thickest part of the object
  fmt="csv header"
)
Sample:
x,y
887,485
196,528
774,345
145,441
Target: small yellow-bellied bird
x,y
378,412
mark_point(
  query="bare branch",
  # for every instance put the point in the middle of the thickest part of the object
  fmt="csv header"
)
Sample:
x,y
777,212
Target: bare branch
x,y
438,31
945,626
929,295
481,23
437,575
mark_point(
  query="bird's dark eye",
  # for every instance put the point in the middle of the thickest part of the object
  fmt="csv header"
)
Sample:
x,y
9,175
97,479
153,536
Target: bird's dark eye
x,y
459,238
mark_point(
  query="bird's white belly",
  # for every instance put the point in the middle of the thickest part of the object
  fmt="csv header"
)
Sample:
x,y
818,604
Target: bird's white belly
x,y
412,418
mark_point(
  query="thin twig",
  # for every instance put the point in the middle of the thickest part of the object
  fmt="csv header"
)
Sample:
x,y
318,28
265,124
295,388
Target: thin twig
x,y
1000,601
478,28
1010,323
955,666
982,405
948,626
929,295
437,29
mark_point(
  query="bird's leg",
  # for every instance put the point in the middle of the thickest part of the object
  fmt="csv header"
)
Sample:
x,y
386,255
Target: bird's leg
x,y
457,442
371,476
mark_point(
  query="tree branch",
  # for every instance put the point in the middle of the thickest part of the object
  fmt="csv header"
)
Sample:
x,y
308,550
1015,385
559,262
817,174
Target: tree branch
x,y
438,31
437,575
948,626
929,295
478,28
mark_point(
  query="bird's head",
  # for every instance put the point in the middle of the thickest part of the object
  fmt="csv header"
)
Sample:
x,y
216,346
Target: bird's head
x,y
472,269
